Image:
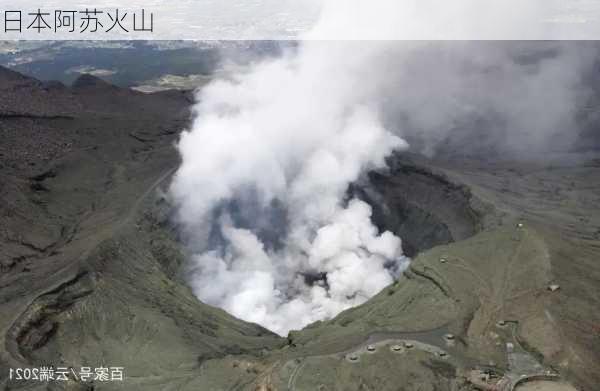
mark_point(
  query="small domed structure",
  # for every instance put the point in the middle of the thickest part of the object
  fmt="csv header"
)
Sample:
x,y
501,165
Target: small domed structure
x,y
408,345
370,348
449,337
397,348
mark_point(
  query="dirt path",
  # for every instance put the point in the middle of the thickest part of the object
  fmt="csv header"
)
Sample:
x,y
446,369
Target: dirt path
x,y
544,385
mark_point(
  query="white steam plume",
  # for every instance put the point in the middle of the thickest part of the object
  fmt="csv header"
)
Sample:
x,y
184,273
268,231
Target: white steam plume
x,y
286,138
267,162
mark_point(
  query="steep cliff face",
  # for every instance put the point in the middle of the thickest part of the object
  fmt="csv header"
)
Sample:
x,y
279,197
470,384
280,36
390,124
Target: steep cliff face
x,y
92,272
423,207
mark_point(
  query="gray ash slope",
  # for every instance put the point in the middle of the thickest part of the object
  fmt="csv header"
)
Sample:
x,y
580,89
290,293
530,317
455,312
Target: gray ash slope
x,y
91,270
84,266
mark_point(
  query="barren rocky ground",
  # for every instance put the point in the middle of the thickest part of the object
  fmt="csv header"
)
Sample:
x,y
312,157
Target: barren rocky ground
x,y
92,272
